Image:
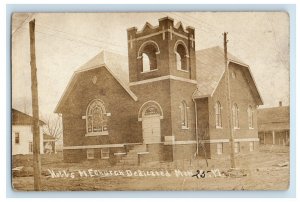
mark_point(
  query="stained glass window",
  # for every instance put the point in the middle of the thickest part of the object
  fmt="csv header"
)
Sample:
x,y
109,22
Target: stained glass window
x,y
96,118
152,110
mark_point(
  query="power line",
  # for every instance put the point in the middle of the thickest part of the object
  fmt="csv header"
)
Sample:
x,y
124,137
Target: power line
x,y
213,29
210,30
85,37
77,36
78,41
196,21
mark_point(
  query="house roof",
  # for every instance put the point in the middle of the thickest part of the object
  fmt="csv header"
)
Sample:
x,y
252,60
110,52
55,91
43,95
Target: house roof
x,y
275,118
113,62
211,68
21,118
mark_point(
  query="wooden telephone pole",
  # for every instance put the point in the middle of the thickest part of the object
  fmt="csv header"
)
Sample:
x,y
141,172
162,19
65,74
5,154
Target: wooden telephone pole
x,y
35,111
229,114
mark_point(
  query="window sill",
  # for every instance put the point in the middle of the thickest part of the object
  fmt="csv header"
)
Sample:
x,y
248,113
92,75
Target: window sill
x,y
105,158
119,153
141,153
251,128
219,127
91,134
184,128
149,71
182,70
235,128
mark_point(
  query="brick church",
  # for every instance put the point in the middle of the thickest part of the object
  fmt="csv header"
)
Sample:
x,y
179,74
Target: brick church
x,y
170,104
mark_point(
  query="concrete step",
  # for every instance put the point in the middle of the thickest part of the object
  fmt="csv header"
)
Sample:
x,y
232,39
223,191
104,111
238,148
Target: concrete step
x,y
129,162
132,154
137,150
126,164
129,159
140,147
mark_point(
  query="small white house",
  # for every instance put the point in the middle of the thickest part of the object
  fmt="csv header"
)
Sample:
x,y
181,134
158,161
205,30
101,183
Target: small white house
x,y
22,134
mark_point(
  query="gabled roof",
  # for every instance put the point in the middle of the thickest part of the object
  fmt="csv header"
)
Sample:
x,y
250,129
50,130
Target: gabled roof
x,y
274,118
210,69
21,118
113,62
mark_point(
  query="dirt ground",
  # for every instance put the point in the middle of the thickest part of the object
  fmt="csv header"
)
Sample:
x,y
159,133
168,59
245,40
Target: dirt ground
x,y
267,169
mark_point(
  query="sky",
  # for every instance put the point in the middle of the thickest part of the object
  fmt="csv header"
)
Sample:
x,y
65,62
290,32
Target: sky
x,y
65,41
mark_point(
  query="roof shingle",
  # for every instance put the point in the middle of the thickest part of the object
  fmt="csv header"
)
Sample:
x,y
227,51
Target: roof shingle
x,y
210,68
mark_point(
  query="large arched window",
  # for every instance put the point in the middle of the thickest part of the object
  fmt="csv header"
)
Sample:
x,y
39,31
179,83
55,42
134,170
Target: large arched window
x,y
96,119
235,113
184,115
218,110
250,116
181,57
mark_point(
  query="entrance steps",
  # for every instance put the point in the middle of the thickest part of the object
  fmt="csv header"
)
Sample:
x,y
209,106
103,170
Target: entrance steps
x,y
131,157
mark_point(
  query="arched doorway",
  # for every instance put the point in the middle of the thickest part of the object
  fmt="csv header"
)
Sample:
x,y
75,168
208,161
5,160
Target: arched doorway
x,y
150,115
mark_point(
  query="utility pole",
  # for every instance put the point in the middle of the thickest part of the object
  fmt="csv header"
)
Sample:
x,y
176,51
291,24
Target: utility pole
x,y
35,111
229,114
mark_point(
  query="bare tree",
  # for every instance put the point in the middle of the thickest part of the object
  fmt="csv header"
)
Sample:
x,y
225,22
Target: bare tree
x,y
53,126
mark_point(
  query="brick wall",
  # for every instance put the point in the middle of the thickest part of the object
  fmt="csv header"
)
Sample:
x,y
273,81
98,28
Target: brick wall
x,y
156,154
122,124
182,91
203,118
184,151
159,92
242,96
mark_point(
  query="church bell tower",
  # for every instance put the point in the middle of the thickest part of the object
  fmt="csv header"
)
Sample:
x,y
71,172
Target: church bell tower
x,y
159,52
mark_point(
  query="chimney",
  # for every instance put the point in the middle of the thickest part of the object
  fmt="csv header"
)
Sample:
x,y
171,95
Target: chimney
x,y
280,103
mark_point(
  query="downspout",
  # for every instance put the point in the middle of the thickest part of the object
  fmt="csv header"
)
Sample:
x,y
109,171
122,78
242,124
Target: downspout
x,y
189,59
196,127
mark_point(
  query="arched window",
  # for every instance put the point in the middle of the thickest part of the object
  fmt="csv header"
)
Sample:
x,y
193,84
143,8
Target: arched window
x,y
235,113
146,63
148,54
181,59
218,115
250,117
184,115
96,119
178,60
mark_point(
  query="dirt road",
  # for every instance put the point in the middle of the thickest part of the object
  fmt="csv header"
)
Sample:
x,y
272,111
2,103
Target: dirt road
x,y
266,170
